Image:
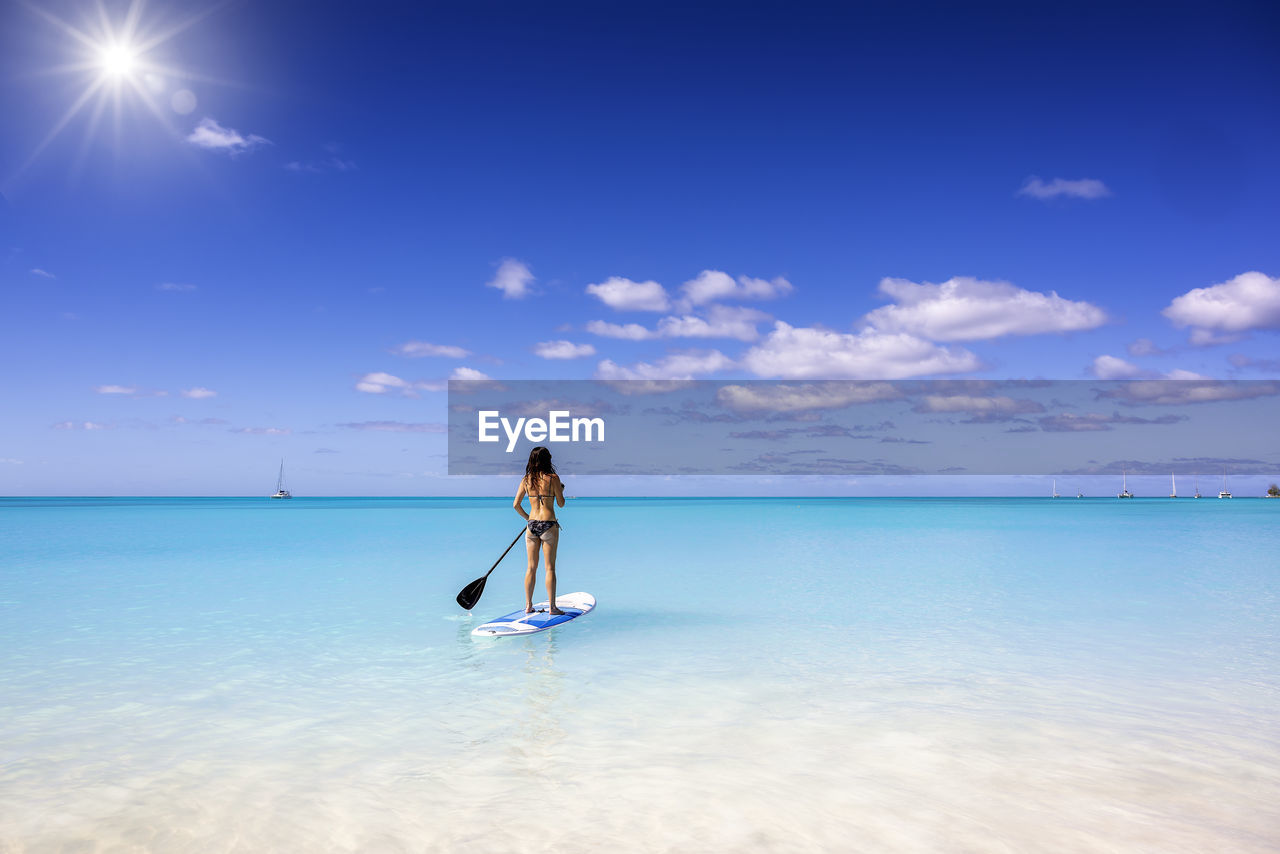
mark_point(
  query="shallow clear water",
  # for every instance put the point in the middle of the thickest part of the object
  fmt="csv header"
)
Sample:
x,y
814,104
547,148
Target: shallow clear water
x,y
760,675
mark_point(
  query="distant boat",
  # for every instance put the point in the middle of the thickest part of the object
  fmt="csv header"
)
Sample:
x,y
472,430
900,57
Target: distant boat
x,y
1055,489
1197,486
1079,494
1124,493
1224,493
281,492
1173,490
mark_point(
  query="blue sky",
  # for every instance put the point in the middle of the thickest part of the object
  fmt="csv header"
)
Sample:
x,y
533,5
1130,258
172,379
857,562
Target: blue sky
x,y
296,220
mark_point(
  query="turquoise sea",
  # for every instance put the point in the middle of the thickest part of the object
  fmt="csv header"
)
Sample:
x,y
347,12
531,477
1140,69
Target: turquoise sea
x,y
1005,675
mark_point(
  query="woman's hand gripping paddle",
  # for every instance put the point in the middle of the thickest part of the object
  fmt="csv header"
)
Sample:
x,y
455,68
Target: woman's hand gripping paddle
x,y
470,594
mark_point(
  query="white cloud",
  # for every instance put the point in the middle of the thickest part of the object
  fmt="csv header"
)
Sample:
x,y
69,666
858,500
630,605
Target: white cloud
x,y
1084,188
1113,368
81,425
175,286
44,274
379,383
10,461
628,331
115,389
198,393
1223,312
513,278
677,366
711,285
966,309
213,136
563,350
1182,374
468,374
807,353
418,349
625,295
721,322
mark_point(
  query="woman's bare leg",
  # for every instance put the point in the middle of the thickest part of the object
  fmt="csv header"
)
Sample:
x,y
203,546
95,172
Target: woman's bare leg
x,y
531,574
549,552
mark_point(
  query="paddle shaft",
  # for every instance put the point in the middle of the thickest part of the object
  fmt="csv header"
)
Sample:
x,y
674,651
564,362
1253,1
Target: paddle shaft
x,y
504,554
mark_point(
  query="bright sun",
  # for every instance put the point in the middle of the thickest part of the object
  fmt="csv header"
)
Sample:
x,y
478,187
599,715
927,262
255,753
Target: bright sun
x,y
118,60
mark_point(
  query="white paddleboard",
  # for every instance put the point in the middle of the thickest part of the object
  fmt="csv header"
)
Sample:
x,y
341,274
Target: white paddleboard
x,y
518,622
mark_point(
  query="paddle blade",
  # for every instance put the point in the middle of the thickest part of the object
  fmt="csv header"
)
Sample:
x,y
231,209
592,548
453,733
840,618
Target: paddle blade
x,y
470,594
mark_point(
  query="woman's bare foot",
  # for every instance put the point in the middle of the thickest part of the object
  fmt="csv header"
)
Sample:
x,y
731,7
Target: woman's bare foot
x,y
556,612
528,609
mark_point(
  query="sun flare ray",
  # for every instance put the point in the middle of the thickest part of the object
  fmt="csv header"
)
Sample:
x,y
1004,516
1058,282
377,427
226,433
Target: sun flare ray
x,y
112,58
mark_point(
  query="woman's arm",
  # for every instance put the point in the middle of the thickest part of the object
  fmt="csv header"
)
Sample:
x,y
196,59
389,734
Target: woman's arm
x,y
517,504
559,490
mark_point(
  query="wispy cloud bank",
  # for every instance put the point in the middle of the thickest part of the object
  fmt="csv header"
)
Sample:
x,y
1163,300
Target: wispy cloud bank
x,y
396,427
178,287
514,279
418,349
804,397
677,366
210,135
198,393
1091,422
968,309
1223,312
81,425
977,405
115,389
1083,188
263,431
1179,391
330,164
1146,347
44,274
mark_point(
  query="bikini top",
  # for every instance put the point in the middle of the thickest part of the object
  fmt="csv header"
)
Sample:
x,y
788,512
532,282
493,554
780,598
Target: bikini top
x,y
532,496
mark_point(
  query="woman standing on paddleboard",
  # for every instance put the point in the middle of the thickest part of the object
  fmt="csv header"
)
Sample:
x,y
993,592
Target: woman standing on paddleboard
x,y
545,491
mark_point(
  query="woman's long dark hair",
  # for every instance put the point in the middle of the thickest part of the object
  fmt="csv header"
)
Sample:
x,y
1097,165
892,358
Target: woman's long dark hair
x,y
539,467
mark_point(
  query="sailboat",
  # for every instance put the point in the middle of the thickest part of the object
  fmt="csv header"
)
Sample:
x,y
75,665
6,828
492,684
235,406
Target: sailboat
x,y
281,492
1197,485
1173,491
1224,493
1079,494
1124,489
1055,489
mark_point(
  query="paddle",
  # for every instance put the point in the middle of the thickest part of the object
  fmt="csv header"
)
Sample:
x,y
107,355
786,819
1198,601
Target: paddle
x,y
470,594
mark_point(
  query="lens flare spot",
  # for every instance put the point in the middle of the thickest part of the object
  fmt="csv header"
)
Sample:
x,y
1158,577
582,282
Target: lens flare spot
x,y
183,101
